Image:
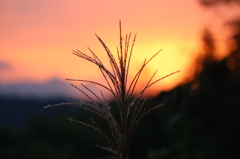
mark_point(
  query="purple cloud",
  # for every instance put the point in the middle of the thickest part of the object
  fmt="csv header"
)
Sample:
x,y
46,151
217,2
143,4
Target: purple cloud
x,y
5,65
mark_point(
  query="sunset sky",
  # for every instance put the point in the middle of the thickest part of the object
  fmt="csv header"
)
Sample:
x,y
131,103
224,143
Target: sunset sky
x,y
37,36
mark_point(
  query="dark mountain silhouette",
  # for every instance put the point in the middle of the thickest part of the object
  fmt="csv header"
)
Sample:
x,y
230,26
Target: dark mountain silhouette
x,y
50,89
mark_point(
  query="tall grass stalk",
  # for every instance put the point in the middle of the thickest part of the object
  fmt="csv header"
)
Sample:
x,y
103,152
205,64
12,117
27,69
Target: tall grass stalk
x,y
129,103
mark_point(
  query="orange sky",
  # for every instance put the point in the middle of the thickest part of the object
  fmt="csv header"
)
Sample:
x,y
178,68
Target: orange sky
x,y
37,37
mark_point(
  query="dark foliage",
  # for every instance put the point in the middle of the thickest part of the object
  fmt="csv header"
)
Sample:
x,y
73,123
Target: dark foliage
x,y
211,3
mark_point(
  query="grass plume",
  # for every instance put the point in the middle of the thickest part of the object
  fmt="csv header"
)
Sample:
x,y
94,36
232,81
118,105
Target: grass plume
x,y
130,106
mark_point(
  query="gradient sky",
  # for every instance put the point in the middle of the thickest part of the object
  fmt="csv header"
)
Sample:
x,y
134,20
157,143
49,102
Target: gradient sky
x,y
36,37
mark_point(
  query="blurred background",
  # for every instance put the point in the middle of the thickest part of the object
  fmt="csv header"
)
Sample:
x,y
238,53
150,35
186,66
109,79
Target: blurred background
x,y
200,116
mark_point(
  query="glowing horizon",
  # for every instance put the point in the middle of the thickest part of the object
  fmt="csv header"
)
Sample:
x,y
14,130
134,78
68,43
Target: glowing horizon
x,y
37,38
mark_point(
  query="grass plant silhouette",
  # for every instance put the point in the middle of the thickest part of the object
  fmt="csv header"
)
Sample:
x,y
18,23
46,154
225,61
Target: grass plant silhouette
x,y
130,104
